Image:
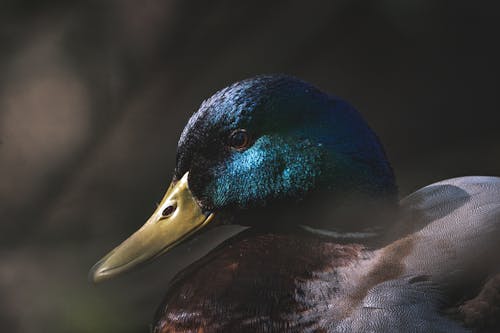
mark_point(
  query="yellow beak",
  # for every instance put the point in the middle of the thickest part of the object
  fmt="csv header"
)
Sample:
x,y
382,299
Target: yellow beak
x,y
177,217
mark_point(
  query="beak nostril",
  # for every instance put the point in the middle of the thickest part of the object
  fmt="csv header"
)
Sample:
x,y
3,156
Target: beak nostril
x,y
168,210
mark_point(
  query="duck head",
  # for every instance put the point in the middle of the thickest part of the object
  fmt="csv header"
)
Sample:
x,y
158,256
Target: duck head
x,y
270,152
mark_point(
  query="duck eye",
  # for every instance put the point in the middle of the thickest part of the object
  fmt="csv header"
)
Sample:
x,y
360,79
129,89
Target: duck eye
x,y
239,139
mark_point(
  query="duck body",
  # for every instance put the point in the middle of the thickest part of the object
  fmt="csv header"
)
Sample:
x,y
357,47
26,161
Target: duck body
x,y
295,282
328,247
263,282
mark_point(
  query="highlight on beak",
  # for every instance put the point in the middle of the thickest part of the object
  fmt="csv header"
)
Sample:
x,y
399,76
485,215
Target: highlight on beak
x,y
177,217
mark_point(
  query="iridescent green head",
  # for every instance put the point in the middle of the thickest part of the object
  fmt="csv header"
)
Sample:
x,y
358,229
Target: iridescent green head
x,y
277,138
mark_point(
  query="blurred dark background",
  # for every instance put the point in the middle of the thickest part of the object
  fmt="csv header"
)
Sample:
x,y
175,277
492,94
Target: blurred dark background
x,y
94,94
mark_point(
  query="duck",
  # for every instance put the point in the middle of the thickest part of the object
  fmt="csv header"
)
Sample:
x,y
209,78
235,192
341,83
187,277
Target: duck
x,y
327,246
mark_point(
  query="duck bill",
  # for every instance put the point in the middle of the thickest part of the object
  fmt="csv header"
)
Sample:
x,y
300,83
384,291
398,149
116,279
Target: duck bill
x,y
177,217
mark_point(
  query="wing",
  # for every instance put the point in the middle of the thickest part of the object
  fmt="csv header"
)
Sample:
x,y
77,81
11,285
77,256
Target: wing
x,y
447,258
460,234
406,304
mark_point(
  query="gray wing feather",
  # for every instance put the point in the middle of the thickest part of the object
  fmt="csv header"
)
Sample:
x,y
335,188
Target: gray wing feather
x,y
460,237
454,247
408,304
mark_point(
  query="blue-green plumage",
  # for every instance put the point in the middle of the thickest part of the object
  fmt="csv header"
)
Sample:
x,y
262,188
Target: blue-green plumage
x,y
303,140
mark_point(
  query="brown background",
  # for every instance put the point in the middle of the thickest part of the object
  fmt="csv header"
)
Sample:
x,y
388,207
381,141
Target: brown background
x,y
94,94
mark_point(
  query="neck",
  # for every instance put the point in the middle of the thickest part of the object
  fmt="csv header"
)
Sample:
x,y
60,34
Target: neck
x,y
355,218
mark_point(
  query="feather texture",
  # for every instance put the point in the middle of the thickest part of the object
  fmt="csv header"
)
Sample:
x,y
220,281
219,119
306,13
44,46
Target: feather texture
x,y
318,285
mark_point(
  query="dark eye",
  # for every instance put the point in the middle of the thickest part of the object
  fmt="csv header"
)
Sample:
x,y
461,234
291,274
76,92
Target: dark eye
x,y
239,139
